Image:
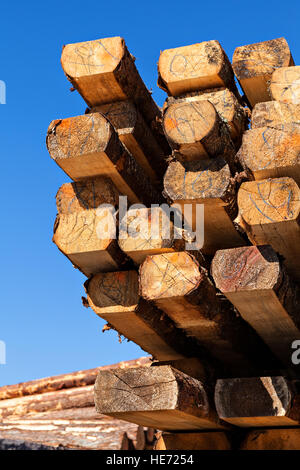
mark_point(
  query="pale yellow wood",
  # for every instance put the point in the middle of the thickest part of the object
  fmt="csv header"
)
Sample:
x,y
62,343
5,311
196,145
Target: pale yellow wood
x,y
78,227
190,68
206,182
271,153
254,64
285,85
87,146
270,212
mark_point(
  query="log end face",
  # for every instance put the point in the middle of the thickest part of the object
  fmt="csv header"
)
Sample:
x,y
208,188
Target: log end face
x,y
136,390
260,58
78,136
252,397
113,292
88,58
189,122
269,201
285,85
246,268
203,179
169,275
145,230
190,68
275,114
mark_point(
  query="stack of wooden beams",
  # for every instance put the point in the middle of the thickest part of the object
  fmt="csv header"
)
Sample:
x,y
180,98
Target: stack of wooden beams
x,y
59,413
220,319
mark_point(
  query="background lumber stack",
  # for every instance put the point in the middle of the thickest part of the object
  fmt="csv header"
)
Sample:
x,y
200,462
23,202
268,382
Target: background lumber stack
x,y
218,321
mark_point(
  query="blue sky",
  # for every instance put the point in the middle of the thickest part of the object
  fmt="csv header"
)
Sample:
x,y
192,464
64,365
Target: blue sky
x,y
42,321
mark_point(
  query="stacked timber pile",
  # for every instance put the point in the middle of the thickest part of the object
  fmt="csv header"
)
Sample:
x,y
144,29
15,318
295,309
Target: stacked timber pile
x,y
59,413
218,308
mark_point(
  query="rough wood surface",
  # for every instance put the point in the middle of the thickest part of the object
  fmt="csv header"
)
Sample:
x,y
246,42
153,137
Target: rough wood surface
x,y
114,297
197,67
270,213
285,85
195,130
159,397
257,402
272,439
226,105
78,227
193,441
271,153
88,146
192,366
275,114
182,289
136,135
103,71
77,397
146,232
255,281
207,182
59,382
74,428
254,64
59,411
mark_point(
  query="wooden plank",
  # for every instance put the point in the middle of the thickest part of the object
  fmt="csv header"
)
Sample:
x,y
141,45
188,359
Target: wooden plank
x,y
272,439
159,397
79,428
257,402
191,68
254,64
87,146
226,104
146,232
275,114
77,397
195,130
78,226
285,85
193,441
136,135
181,288
207,182
114,297
271,153
255,281
269,212
103,71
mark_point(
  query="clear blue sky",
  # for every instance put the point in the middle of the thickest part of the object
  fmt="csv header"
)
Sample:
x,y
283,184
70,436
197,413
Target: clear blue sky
x,y
45,327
